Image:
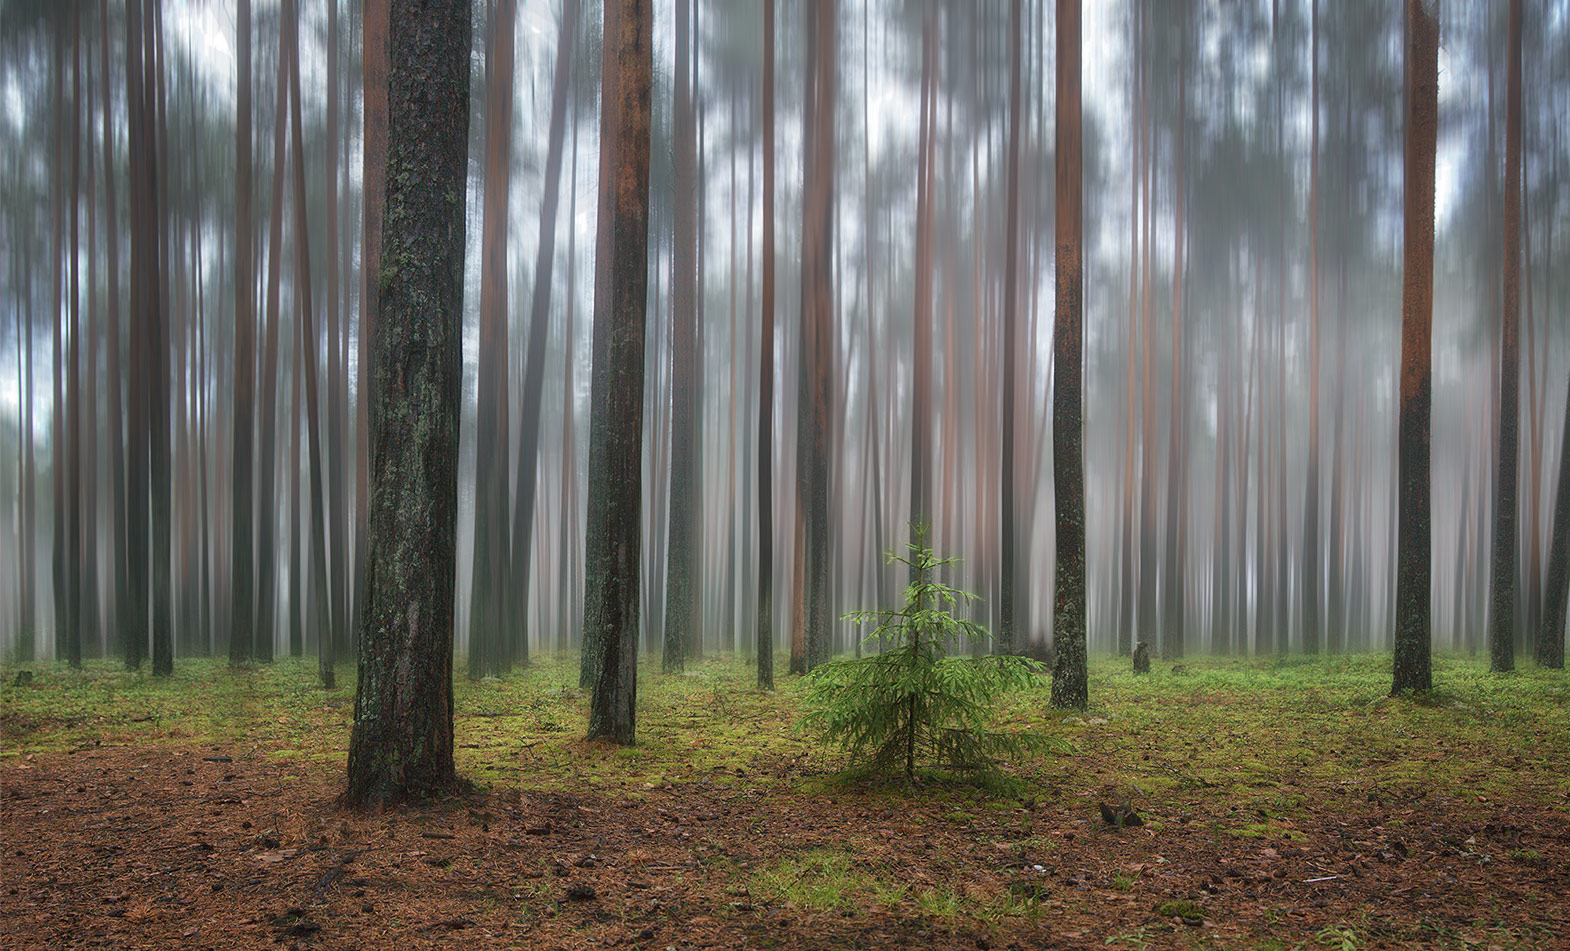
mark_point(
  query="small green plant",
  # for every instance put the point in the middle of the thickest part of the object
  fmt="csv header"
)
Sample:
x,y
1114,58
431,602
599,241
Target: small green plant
x,y
1339,937
912,704
1179,908
1122,882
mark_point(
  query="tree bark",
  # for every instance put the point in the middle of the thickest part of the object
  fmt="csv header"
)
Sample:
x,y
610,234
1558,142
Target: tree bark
x,y
1412,666
616,414
402,744
1069,682
1502,588
765,646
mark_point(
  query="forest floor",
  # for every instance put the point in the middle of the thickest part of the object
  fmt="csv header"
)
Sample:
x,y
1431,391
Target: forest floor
x,y
1285,804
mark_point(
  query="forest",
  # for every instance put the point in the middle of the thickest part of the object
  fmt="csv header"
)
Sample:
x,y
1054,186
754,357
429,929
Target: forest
x,y
548,473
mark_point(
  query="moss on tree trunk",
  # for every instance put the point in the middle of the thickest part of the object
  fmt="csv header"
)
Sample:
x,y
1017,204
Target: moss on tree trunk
x,y
402,743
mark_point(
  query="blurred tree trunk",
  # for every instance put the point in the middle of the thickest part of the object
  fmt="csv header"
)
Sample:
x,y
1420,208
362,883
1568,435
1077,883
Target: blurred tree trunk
x,y
1124,635
59,451
765,646
1011,319
569,560
1069,685
814,450
373,67
73,546
157,170
402,743
336,475
143,264
1502,589
921,386
1412,669
1551,639
266,469
241,558
1173,587
310,366
489,627
683,570
117,436
616,414
1312,555
526,472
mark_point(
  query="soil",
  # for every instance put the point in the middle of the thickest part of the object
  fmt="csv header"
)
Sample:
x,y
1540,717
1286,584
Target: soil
x,y
196,848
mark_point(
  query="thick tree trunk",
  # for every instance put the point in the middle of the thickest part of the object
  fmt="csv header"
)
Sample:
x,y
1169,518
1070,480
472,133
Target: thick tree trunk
x,y
1069,686
1412,670
402,744
616,414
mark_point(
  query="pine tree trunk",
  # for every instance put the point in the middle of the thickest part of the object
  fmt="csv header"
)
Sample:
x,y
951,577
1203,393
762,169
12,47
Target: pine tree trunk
x,y
1502,589
1069,684
1412,670
765,646
402,744
616,414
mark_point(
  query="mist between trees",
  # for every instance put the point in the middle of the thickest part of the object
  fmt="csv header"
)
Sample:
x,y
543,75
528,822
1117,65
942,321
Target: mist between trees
x,y
184,382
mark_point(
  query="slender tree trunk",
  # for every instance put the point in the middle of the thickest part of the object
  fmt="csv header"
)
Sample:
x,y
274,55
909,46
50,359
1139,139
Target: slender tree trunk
x,y
374,26
1502,589
682,565
921,388
1412,669
1551,640
1172,588
616,417
309,364
526,467
1005,635
240,563
74,548
814,453
765,646
1312,555
489,627
1069,688
267,519
120,555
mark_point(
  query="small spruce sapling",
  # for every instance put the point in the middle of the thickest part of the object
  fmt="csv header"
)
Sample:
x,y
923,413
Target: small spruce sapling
x,y
912,705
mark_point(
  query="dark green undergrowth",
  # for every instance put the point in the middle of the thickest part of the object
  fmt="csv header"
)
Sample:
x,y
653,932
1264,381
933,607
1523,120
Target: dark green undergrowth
x,y
1261,736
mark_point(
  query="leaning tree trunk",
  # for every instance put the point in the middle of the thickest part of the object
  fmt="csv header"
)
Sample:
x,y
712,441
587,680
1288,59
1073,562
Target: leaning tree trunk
x,y
1412,666
402,743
